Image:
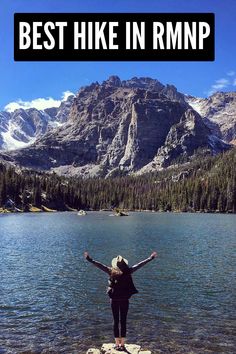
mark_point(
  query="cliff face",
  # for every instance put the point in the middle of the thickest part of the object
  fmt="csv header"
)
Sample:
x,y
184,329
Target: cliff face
x,y
218,112
131,126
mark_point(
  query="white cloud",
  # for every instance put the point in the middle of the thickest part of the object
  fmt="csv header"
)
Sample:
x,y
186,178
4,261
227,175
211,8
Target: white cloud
x,y
67,94
218,85
38,103
224,82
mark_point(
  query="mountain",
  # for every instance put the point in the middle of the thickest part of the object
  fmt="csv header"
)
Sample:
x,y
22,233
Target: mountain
x,y
218,112
22,127
120,127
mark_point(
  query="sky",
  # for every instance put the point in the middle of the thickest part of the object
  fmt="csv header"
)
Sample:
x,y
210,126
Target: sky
x,y
44,84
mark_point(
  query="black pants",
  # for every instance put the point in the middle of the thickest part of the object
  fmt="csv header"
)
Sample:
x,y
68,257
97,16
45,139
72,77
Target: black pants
x,y
119,310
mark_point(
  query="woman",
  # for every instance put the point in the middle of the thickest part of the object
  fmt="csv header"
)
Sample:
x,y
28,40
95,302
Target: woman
x,y
121,288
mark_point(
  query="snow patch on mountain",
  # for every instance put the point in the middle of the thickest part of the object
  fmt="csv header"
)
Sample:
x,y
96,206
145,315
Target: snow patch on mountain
x,y
218,112
21,128
9,143
197,103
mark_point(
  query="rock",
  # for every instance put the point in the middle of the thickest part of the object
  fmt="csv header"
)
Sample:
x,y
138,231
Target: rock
x,y
93,351
130,348
109,349
171,92
113,81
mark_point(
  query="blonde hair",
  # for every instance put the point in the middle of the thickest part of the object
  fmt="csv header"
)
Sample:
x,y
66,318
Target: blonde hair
x,y
115,272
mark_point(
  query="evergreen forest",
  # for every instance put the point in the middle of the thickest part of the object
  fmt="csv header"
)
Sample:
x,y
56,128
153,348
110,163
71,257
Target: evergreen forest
x,y
206,184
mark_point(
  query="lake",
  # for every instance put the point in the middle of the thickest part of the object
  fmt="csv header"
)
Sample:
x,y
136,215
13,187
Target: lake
x,y
54,301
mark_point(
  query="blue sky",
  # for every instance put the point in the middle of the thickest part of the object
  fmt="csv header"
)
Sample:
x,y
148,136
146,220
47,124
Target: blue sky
x,y
29,81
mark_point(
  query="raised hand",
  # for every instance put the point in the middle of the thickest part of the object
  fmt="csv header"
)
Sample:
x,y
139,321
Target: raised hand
x,y
86,254
154,254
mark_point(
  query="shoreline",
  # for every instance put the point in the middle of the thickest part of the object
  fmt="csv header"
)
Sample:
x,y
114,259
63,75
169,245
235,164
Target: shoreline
x,y
45,209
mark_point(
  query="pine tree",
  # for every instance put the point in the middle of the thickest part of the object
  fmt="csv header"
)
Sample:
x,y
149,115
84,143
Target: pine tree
x,y
37,198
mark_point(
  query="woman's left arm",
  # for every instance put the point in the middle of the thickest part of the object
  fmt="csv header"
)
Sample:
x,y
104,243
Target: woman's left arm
x,y
142,263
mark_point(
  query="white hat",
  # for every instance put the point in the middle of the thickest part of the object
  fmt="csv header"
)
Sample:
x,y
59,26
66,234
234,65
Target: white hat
x,y
116,260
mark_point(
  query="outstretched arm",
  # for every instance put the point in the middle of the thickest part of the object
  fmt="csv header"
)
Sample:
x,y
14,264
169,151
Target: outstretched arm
x,y
97,264
142,263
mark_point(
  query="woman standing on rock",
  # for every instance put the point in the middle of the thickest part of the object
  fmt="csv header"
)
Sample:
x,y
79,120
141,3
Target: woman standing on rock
x,y
121,288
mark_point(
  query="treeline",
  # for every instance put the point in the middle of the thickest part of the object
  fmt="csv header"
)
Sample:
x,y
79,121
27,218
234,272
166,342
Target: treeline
x,y
206,184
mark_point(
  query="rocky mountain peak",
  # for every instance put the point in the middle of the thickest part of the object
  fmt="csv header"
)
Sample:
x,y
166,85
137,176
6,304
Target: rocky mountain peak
x,y
130,126
172,93
146,83
112,81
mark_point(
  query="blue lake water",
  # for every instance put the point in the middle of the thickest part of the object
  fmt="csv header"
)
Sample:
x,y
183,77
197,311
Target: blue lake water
x,y
53,301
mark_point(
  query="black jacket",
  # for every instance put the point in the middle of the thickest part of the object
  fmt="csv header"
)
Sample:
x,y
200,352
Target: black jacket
x,y
121,286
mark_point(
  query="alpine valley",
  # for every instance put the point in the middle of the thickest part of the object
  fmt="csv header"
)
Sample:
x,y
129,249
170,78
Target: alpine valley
x,y
119,127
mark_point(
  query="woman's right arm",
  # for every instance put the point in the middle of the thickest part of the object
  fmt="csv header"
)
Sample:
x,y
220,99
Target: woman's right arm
x,y
99,265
